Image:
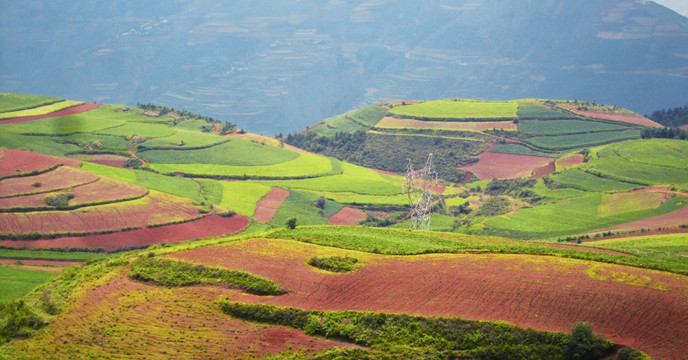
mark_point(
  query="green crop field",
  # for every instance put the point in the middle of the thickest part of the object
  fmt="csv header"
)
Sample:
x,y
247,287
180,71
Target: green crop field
x,y
15,283
98,119
520,150
13,102
669,250
50,255
241,196
236,152
142,129
571,216
585,181
305,165
530,110
42,144
362,199
107,142
301,205
459,109
183,138
353,179
650,162
562,127
564,142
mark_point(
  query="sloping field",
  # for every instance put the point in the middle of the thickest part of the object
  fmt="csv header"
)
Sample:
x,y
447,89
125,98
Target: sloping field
x,y
102,191
561,127
459,109
630,306
348,216
123,318
505,166
624,117
44,111
156,209
574,141
102,159
60,178
208,226
579,179
398,124
21,163
14,102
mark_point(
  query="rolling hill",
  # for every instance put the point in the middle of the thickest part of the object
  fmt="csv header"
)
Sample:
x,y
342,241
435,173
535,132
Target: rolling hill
x,y
271,68
180,233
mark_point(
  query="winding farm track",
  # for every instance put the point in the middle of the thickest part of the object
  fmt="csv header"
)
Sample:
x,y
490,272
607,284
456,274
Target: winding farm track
x,y
267,207
78,109
641,308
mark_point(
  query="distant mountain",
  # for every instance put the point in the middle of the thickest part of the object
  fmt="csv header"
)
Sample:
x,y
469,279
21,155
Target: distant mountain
x,y
279,67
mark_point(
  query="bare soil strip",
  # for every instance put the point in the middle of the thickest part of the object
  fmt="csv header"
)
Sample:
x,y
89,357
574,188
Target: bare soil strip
x,y
348,216
266,208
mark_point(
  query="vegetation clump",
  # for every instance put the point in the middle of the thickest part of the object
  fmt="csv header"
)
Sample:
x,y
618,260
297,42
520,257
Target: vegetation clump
x,y
60,200
418,337
334,263
171,273
17,320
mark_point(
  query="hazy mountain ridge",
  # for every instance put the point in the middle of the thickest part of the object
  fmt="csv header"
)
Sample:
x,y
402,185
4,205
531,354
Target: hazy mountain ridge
x,y
279,68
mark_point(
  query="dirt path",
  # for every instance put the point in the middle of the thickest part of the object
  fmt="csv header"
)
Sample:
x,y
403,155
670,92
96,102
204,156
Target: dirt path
x,y
267,207
68,111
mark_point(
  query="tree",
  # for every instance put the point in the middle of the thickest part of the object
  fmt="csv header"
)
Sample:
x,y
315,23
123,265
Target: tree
x,y
291,223
585,345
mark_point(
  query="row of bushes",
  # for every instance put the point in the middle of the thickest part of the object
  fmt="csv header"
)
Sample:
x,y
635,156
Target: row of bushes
x,y
406,336
334,263
171,273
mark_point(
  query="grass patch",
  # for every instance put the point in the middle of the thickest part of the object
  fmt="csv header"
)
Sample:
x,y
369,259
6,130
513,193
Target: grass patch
x,y
15,283
564,142
172,273
98,119
334,263
520,150
582,180
13,102
50,255
241,196
561,127
40,110
301,205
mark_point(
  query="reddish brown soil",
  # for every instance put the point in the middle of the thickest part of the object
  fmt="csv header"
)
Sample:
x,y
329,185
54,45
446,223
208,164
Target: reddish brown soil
x,y
348,216
38,262
631,306
69,111
582,248
639,120
127,319
106,159
19,161
543,171
60,178
684,127
571,160
158,208
266,208
104,190
505,166
209,226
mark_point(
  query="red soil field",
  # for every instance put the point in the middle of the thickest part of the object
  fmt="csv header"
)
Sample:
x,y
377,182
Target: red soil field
x,y
684,127
543,171
266,208
630,306
505,166
104,190
112,320
69,111
570,161
16,162
60,178
395,123
208,226
639,120
157,208
348,216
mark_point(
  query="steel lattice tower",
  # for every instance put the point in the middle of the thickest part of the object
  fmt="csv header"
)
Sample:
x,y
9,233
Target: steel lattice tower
x,y
418,184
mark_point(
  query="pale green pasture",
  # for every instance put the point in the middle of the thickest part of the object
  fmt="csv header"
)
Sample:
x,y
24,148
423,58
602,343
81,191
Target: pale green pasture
x,y
187,139
460,109
241,196
41,110
95,120
13,102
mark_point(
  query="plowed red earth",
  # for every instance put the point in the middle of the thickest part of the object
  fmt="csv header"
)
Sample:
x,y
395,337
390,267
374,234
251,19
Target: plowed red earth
x,y
16,162
639,120
543,171
60,178
69,111
211,225
157,208
631,306
505,166
571,160
684,127
347,216
127,319
104,159
266,208
104,190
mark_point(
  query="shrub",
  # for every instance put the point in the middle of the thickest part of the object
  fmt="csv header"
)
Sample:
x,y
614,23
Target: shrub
x,y
291,223
585,345
334,263
17,320
60,200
